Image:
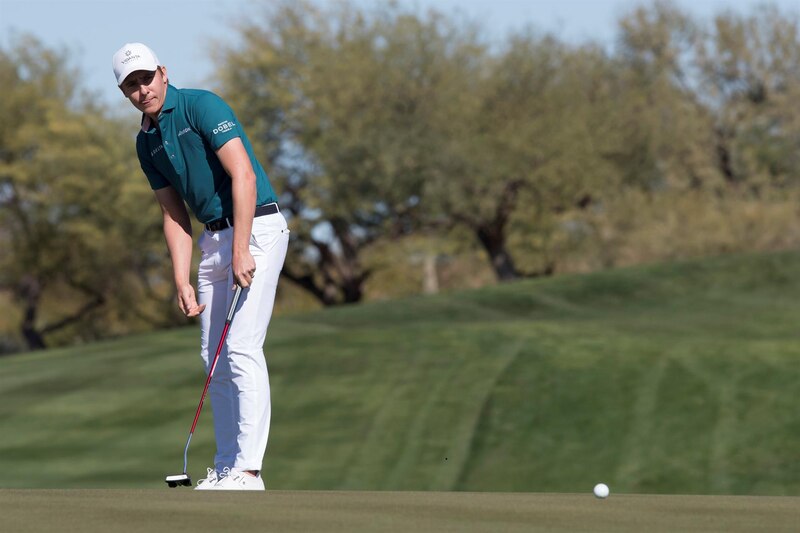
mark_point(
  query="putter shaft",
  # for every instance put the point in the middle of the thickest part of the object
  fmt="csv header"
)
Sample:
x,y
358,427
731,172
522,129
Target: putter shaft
x,y
174,479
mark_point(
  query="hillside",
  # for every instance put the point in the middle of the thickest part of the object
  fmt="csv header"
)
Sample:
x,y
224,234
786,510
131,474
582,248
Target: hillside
x,y
674,378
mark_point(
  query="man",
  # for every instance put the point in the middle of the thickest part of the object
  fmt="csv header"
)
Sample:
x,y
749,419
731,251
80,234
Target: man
x,y
193,150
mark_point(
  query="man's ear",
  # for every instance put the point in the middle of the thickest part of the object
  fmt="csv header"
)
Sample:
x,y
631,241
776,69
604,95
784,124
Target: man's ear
x,y
164,73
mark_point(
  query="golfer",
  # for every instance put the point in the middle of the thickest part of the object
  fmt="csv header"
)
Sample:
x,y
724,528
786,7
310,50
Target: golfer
x,y
194,152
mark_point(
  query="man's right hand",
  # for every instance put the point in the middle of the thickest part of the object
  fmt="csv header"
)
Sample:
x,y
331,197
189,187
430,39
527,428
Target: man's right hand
x,y
187,301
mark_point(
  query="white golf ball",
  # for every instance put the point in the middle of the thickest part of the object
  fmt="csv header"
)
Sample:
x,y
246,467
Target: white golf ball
x,y
601,490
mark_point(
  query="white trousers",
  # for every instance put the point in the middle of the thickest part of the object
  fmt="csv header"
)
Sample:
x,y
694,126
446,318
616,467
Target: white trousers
x,y
239,391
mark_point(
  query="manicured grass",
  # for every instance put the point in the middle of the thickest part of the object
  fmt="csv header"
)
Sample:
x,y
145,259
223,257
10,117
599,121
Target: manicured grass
x,y
674,378
90,511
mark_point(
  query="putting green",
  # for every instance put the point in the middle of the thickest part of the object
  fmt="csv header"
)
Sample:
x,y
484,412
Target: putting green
x,y
87,511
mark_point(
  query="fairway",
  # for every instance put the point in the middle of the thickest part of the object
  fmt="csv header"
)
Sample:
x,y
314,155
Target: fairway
x,y
89,511
666,379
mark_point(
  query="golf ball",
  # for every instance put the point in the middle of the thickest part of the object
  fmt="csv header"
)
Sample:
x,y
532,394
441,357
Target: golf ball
x,y
601,490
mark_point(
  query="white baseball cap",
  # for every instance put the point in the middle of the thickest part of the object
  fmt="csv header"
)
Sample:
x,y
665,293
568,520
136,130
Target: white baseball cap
x,y
133,57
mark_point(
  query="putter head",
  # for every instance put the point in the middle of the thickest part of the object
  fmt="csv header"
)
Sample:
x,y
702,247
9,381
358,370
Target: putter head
x,y
182,480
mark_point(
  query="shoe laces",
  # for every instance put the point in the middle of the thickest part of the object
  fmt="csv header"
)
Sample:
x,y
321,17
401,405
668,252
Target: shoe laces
x,y
236,475
211,477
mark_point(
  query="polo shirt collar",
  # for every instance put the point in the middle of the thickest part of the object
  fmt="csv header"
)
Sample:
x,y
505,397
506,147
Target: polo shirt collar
x,y
172,99
170,102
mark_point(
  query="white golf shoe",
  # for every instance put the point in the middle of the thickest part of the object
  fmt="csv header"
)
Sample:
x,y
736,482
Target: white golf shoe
x,y
235,479
208,482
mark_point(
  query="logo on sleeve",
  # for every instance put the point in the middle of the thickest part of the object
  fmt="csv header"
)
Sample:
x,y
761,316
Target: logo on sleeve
x,y
223,127
157,149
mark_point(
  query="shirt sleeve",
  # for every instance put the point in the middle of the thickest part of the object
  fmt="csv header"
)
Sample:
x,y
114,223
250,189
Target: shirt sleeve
x,y
156,179
215,120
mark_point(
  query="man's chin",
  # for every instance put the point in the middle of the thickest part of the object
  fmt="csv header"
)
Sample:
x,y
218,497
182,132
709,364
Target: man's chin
x,y
148,108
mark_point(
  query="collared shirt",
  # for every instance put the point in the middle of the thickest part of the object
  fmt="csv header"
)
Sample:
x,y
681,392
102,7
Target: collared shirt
x,y
180,151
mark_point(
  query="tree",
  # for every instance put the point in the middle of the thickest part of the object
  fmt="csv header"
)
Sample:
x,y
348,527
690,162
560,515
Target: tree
x,y
750,72
666,124
716,104
67,206
708,129
339,102
521,145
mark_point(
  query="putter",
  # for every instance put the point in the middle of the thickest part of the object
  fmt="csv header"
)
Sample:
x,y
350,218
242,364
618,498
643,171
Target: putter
x,y
183,479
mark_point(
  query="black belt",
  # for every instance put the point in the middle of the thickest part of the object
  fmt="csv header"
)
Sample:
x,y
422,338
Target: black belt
x,y
227,222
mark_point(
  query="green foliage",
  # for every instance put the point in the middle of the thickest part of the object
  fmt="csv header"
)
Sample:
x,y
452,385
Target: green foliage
x,y
751,78
667,132
373,119
409,150
677,378
531,147
72,215
386,121
636,228
343,108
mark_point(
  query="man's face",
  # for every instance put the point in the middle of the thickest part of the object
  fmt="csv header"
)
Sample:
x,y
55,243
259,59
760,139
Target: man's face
x,y
146,90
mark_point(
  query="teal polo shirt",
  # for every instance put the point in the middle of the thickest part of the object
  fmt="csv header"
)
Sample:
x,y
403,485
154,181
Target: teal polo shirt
x,y
180,151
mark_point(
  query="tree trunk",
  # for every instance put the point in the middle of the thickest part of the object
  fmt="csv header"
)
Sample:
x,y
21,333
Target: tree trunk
x,y
29,292
724,157
492,233
430,276
494,242
339,280
353,289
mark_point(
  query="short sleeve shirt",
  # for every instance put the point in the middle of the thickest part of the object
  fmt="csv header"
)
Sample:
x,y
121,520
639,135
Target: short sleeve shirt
x,y
180,151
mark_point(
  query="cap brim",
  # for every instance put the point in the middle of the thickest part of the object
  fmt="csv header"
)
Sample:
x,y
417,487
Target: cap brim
x,y
130,70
